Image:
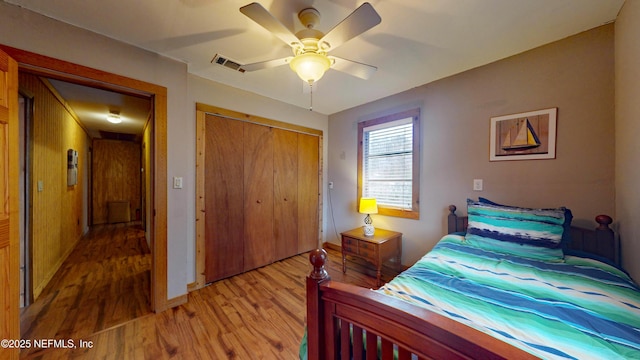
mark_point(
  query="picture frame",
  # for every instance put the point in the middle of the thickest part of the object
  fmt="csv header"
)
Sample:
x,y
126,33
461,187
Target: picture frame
x,y
524,136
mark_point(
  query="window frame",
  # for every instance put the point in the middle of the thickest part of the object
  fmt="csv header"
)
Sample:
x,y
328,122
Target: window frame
x,y
414,212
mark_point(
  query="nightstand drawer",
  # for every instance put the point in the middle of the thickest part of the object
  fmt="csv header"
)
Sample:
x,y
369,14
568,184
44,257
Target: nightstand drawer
x,y
350,246
366,245
368,254
364,249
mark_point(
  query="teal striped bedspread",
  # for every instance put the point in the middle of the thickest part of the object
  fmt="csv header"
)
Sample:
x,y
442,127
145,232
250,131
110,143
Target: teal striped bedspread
x,y
576,309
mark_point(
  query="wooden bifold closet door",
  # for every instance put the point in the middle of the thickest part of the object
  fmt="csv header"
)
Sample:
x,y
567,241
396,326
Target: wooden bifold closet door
x,y
285,188
261,195
258,196
224,197
308,192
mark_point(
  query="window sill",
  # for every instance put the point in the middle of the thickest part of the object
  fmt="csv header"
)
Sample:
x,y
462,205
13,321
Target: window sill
x,y
407,214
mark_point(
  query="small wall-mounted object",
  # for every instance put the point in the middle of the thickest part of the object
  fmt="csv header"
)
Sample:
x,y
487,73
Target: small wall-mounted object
x,y
72,167
177,182
477,184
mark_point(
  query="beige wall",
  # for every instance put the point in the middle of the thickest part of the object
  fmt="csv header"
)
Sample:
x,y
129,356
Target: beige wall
x,y
57,209
575,75
627,173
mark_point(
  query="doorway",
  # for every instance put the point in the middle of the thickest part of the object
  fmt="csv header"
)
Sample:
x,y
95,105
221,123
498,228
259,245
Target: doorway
x,y
68,123
157,210
24,113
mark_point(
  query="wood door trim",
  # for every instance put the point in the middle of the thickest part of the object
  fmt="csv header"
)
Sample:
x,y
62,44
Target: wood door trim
x,y
200,280
9,221
214,110
67,71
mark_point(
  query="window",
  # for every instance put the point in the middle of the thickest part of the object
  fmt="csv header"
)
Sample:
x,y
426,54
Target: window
x,y
388,163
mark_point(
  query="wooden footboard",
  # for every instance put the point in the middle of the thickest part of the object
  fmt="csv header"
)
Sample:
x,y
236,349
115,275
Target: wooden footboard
x,y
338,315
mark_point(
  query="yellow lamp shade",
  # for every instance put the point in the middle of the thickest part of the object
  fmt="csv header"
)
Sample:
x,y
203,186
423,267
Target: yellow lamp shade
x,y
310,66
368,206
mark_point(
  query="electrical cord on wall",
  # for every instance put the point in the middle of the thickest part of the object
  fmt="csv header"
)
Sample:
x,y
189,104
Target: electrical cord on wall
x,y
333,220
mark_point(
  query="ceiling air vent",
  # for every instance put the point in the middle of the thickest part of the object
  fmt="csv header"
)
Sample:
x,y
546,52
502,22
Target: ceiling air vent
x,y
226,62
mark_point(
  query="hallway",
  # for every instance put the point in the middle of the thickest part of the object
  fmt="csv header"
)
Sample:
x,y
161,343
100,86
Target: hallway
x,y
104,282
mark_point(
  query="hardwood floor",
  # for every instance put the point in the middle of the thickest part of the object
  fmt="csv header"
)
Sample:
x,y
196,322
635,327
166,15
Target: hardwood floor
x,y
256,315
104,282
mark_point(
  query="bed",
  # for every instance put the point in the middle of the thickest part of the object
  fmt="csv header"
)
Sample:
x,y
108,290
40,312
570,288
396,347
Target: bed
x,y
505,283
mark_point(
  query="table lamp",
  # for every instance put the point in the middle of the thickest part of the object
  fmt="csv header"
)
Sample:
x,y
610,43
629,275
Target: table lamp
x,y
368,206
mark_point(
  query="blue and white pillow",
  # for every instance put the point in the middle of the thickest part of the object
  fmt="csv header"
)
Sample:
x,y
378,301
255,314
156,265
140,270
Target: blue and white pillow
x,y
524,232
568,217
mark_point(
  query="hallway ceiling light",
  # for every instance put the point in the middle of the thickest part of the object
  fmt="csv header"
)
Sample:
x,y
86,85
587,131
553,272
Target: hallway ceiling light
x,y
114,117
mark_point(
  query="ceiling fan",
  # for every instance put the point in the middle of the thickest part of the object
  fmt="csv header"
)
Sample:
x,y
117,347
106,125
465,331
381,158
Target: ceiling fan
x,y
310,46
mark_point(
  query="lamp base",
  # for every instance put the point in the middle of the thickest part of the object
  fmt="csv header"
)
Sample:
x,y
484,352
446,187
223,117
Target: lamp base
x,y
368,229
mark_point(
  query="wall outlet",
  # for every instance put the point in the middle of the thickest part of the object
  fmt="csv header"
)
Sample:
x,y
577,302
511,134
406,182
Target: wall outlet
x,y
330,184
477,184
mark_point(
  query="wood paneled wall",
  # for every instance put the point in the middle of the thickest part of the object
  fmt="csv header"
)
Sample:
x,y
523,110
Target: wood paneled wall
x,y
116,176
147,180
56,211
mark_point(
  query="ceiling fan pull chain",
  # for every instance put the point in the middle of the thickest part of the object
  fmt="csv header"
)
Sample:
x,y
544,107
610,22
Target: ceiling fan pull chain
x,y
311,95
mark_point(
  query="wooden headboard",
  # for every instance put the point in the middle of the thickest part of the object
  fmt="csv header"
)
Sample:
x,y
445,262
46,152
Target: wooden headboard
x,y
601,241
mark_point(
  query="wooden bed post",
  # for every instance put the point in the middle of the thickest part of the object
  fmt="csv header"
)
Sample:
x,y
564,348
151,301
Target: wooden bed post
x,y
604,235
452,220
315,318
455,223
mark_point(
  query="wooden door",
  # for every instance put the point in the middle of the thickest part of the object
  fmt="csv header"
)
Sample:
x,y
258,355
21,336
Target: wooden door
x,y
9,176
224,199
259,247
285,193
308,192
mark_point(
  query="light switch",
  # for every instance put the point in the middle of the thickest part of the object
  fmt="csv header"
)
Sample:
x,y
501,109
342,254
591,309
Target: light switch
x,y
477,184
40,185
177,182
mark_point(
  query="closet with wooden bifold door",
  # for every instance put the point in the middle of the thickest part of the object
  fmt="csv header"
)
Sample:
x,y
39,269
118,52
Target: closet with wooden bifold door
x,y
261,193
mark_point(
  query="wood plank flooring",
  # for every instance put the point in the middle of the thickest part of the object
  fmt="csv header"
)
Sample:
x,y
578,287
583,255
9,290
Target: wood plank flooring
x,y
103,283
256,315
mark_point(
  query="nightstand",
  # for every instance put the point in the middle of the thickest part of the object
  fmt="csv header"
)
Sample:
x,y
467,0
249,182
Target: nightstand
x,y
376,249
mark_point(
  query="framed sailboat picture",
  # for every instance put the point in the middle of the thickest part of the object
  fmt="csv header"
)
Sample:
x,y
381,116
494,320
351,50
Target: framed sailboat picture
x,y
526,136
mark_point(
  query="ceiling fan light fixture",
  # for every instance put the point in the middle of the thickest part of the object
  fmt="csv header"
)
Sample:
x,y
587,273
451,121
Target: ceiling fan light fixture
x,y
310,66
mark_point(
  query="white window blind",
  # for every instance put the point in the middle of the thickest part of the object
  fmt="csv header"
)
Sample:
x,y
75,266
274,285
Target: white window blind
x,y
387,163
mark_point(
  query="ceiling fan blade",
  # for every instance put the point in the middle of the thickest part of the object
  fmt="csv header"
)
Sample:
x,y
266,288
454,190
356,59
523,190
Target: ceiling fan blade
x,y
266,64
360,20
262,17
363,71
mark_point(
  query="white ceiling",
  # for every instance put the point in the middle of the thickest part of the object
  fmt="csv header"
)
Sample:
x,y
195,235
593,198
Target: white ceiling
x,y
92,105
417,42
